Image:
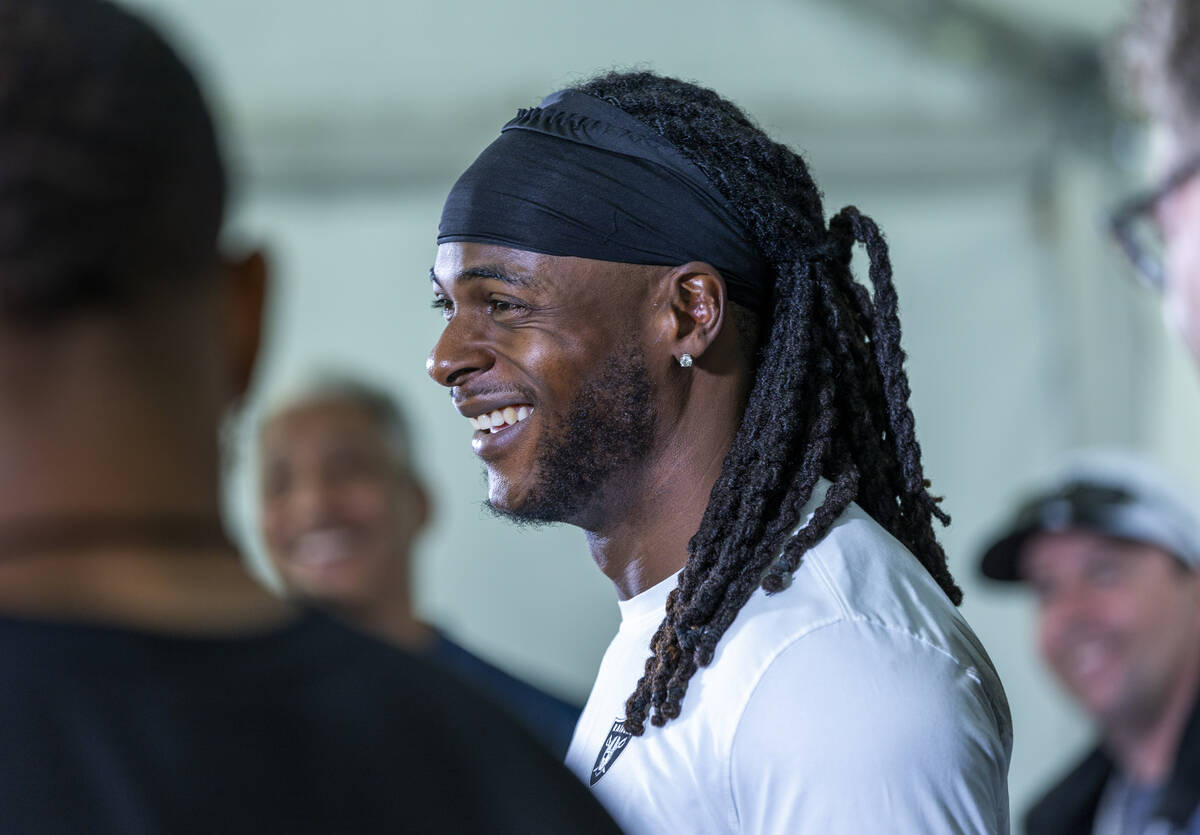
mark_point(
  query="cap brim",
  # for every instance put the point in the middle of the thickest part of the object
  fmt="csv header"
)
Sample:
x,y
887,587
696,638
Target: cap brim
x,y
1002,561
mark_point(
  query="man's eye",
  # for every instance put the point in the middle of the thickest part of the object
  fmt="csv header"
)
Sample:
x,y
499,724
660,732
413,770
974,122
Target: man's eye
x,y
443,304
504,306
1104,573
276,483
354,467
1043,590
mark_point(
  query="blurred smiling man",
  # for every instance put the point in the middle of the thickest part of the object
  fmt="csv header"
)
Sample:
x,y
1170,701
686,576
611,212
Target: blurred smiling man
x,y
342,505
1111,549
655,335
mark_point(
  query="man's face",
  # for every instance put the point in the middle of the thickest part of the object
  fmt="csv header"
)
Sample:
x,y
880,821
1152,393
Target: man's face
x,y
339,511
548,351
1117,621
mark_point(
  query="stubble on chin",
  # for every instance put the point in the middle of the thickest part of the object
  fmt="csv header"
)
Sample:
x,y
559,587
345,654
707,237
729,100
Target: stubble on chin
x,y
606,434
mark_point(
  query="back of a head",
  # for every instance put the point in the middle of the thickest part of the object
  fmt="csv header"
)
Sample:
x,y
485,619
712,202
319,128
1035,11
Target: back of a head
x,y
111,182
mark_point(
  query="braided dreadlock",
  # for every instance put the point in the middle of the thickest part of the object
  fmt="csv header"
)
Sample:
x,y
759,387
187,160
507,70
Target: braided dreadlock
x,y
829,397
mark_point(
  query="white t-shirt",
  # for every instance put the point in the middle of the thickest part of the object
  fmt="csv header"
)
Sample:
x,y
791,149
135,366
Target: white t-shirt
x,y
856,701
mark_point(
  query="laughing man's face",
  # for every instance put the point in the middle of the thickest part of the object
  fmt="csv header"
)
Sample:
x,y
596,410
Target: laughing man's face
x,y
340,507
1118,622
544,358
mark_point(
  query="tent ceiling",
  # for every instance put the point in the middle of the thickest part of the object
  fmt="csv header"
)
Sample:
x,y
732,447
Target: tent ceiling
x,y
307,84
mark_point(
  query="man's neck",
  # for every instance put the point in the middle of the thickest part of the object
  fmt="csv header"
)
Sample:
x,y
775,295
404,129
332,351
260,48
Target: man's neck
x,y
95,435
401,629
1146,752
93,430
389,614
201,592
648,541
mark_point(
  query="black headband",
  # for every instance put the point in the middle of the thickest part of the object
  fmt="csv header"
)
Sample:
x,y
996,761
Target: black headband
x,y
613,190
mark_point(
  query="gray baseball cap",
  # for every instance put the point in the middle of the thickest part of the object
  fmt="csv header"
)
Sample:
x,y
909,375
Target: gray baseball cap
x,y
1108,493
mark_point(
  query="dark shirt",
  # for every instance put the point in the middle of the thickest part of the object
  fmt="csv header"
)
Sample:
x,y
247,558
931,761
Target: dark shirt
x,y
311,728
549,719
1130,809
1069,808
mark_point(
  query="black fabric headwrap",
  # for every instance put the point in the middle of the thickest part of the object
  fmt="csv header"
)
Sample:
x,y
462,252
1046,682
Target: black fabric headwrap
x,y
579,177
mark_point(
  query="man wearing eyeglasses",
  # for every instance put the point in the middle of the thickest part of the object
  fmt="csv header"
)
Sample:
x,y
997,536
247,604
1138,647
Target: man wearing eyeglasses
x,y
1160,230
1111,549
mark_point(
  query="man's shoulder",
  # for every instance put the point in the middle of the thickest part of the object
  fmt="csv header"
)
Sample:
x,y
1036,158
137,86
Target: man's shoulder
x,y
549,718
322,721
858,573
450,655
311,659
891,727
368,674
861,609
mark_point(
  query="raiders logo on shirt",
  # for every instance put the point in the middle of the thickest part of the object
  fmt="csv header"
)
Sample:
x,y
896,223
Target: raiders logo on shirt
x,y
614,744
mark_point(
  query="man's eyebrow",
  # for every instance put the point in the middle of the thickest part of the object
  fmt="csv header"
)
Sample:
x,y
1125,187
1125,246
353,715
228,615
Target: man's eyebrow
x,y
493,272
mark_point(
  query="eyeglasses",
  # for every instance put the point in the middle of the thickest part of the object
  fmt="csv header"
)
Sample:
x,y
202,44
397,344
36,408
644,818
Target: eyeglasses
x,y
1134,227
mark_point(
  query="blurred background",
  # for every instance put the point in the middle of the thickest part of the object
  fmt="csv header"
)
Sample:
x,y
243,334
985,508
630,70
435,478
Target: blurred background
x,y
980,134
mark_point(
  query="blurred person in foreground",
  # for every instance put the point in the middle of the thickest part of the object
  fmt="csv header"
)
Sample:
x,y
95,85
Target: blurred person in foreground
x,y
1158,59
1111,549
341,506
149,685
655,335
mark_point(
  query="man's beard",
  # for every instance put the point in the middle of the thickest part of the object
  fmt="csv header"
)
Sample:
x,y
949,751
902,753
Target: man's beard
x,y
609,430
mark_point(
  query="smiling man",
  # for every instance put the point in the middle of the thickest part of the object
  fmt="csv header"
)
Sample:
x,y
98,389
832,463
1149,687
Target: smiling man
x,y
342,505
1111,549
656,336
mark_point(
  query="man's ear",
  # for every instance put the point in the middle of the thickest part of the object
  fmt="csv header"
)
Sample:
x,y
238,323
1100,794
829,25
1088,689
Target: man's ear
x,y
421,503
697,306
245,306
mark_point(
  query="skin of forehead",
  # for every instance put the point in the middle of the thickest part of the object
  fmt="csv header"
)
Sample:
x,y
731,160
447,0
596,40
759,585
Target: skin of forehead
x,y
1097,543
308,406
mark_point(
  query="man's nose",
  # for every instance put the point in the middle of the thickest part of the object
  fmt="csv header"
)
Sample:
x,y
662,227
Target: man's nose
x,y
313,498
1074,608
459,355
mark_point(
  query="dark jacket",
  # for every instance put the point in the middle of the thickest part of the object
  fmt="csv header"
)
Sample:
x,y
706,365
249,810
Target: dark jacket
x,y
1070,807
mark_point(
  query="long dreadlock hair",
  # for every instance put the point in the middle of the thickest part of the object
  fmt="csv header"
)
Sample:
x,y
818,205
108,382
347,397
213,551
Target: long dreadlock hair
x,y
829,397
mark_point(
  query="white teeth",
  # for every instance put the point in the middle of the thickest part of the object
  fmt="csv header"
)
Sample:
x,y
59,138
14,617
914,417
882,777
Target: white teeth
x,y
499,419
323,547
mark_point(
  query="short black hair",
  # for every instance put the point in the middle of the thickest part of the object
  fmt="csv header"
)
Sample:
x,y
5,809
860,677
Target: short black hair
x,y
338,387
111,179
